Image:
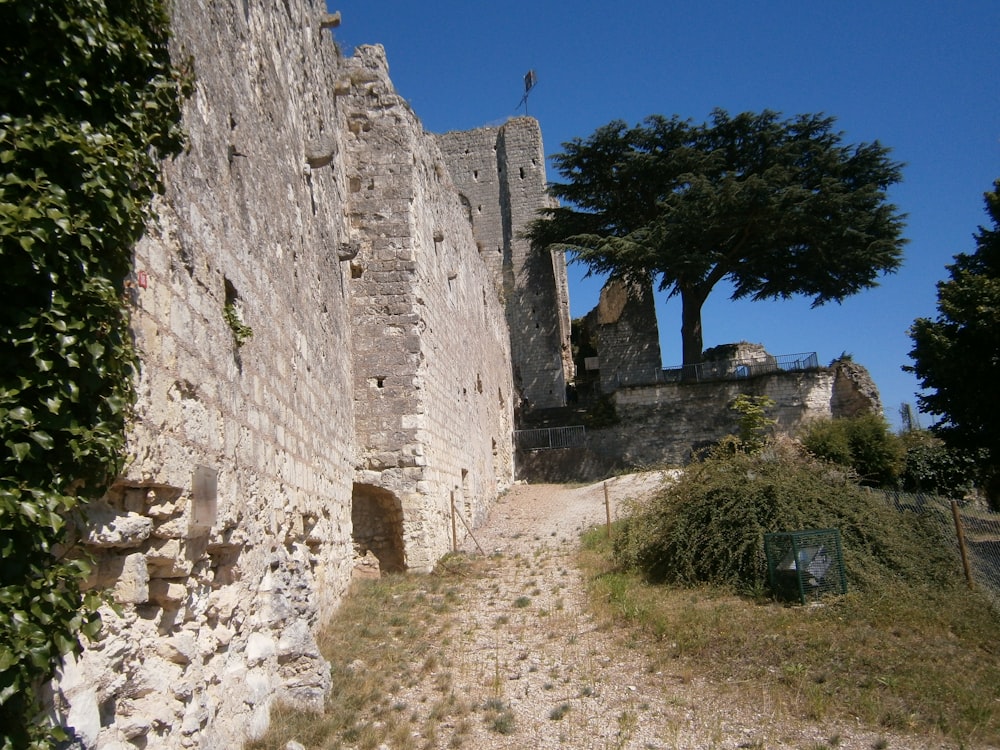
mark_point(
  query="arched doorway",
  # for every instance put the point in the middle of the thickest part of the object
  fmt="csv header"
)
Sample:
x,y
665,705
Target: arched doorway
x,y
377,516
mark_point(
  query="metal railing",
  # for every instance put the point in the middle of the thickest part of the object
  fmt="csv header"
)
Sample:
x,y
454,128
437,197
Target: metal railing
x,y
728,369
544,438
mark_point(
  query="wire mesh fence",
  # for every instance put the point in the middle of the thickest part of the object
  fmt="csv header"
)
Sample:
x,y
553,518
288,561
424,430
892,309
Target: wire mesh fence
x,y
973,530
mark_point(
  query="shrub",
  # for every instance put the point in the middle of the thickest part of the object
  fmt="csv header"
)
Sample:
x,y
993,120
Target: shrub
x,y
931,466
864,444
709,526
601,414
755,425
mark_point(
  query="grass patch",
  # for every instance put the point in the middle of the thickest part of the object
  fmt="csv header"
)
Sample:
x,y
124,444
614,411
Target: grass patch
x,y
499,718
559,712
371,658
906,658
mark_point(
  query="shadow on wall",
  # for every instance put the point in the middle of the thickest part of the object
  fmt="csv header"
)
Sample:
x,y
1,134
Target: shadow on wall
x,y
377,516
567,465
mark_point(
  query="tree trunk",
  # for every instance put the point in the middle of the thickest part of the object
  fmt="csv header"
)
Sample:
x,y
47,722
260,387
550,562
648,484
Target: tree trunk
x,y
692,344
991,487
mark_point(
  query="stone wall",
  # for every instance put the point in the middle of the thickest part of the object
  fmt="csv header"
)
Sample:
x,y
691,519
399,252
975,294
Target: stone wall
x,y
623,330
665,423
310,209
500,175
668,423
432,373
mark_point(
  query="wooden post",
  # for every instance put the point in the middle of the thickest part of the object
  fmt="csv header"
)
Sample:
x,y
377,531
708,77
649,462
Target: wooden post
x,y
607,508
961,543
466,525
454,529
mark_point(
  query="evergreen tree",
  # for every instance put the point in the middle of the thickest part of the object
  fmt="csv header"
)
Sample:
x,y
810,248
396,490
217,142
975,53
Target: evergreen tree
x,y
778,207
957,355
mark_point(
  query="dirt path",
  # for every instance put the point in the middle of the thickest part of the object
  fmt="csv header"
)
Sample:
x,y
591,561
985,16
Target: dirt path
x,y
526,646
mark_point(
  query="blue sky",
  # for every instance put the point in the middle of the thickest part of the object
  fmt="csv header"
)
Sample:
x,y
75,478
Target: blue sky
x,y
919,76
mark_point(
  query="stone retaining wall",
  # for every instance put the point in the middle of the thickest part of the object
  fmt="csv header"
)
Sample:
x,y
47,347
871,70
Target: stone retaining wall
x,y
667,424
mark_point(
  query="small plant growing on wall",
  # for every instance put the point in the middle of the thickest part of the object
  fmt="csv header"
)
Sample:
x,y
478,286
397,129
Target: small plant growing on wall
x,y
241,331
755,425
601,414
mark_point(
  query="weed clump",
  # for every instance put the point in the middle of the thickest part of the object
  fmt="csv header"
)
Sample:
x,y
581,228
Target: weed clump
x,y
709,526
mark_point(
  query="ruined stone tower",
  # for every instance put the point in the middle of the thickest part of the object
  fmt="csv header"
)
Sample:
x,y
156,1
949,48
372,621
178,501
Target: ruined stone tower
x,y
623,330
500,175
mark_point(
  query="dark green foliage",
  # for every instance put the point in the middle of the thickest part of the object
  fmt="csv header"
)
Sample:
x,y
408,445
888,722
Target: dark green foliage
x,y
88,104
778,207
601,413
957,355
709,527
932,467
864,444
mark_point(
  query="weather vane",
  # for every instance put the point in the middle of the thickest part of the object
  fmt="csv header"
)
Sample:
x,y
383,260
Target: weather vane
x,y
530,79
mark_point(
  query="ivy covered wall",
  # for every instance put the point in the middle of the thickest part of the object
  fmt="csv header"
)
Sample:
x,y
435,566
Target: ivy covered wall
x,y
89,104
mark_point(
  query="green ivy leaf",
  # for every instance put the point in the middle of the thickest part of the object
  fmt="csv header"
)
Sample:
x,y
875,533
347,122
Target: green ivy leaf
x,y
42,438
20,414
20,450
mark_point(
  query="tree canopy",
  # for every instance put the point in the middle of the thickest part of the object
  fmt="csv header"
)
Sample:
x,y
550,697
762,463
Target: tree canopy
x,y
778,207
957,355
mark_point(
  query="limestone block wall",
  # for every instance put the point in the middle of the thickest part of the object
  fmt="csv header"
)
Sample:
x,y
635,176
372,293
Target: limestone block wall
x,y
623,329
432,373
500,175
666,423
377,375
229,536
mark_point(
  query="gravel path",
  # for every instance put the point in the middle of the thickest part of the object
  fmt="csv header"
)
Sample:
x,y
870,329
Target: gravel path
x,y
526,646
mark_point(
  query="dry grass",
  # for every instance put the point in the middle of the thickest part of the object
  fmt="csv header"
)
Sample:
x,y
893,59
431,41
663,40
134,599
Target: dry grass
x,y
388,635
918,662
913,660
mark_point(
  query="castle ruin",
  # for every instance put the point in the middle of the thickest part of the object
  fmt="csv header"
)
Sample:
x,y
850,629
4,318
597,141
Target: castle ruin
x,y
326,376
338,322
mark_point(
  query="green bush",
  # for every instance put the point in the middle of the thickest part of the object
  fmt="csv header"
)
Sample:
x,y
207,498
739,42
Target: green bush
x,y
931,466
755,425
864,444
601,414
709,526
